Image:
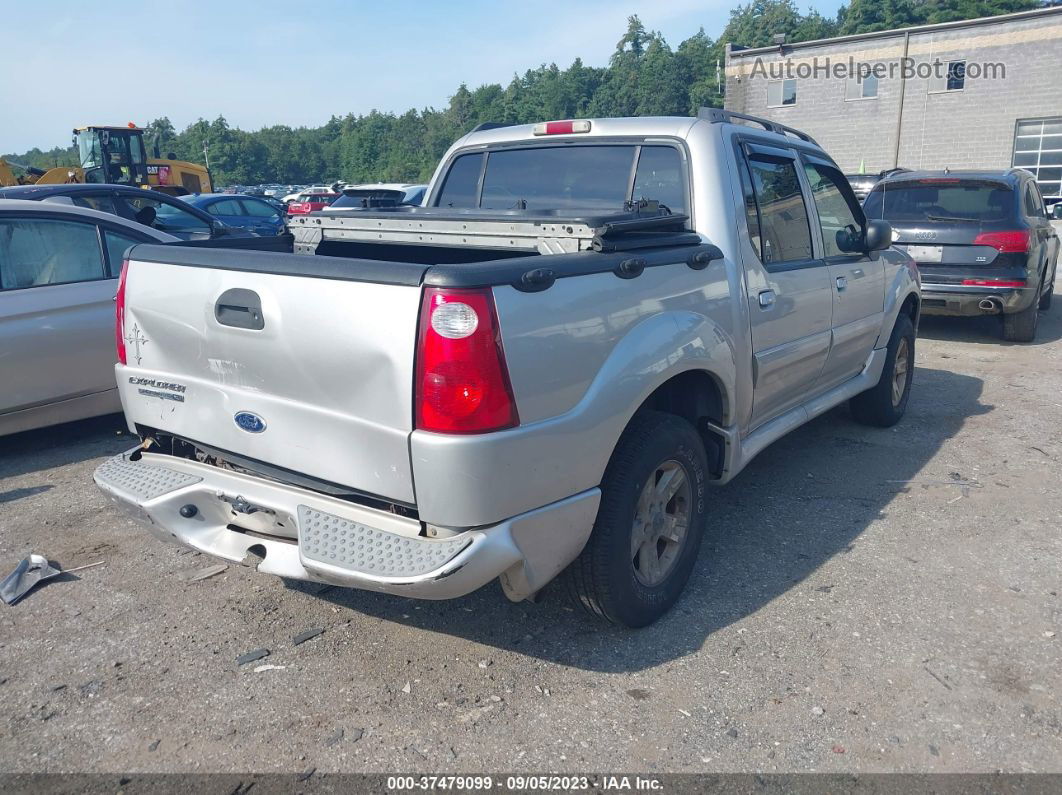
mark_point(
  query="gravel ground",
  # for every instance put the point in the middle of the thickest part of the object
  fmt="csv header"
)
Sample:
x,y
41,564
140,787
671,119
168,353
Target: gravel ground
x,y
855,608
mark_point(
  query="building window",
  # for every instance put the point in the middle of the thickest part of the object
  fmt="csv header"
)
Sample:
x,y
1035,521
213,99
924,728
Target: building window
x,y
1038,149
781,93
863,87
948,76
956,75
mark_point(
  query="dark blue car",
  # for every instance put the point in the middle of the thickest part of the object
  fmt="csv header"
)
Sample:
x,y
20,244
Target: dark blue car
x,y
239,210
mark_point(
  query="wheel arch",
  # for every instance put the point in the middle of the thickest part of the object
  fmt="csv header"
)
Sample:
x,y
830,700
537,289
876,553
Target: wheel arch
x,y
699,397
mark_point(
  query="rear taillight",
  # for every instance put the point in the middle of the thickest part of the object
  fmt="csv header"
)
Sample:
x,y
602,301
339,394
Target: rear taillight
x,y
119,314
462,381
994,283
1010,242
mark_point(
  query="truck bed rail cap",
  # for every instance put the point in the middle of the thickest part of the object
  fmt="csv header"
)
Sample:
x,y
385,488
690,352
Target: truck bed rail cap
x,y
321,267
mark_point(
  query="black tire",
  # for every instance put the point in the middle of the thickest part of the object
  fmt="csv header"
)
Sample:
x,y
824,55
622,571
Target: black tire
x,y
1021,326
878,405
605,579
1045,297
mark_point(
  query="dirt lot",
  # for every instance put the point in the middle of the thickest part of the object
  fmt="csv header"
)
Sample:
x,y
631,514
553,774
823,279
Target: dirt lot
x,y
856,607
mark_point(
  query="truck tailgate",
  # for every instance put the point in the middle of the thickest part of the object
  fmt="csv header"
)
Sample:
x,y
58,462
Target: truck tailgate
x,y
297,365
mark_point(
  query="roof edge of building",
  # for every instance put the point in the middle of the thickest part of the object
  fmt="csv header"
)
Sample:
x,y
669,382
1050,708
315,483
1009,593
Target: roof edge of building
x,y
882,34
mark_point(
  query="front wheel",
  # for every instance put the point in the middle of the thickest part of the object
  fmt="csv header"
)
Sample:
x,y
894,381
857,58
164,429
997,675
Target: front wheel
x,y
885,403
649,526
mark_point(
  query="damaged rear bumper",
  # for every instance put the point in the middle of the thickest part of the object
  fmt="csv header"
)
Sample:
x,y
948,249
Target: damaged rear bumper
x,y
304,535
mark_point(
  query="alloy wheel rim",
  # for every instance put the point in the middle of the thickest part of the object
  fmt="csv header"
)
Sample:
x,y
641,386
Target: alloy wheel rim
x,y
661,523
899,371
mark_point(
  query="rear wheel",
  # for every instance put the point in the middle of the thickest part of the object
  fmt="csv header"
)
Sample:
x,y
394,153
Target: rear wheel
x,y
885,402
648,529
1021,326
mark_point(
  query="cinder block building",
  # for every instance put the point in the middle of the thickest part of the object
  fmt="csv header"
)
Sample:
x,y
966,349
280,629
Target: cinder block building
x,y
980,93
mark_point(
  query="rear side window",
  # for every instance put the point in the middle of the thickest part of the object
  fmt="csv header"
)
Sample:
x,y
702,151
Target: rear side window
x,y
1034,205
116,245
783,218
225,207
567,177
945,199
35,252
257,209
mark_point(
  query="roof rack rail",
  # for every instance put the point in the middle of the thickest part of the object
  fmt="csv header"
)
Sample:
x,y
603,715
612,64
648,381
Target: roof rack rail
x,y
491,125
719,116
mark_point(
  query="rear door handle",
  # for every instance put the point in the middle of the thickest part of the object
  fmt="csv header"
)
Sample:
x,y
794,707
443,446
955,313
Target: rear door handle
x,y
841,282
766,299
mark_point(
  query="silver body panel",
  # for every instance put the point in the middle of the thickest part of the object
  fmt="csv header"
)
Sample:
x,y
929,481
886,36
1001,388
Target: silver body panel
x,y
582,356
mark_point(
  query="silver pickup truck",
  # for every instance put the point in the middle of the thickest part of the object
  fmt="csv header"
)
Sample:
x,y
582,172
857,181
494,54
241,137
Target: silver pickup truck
x,y
539,371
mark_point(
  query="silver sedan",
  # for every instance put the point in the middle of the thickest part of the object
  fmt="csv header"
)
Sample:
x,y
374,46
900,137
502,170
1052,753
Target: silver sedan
x,y
59,268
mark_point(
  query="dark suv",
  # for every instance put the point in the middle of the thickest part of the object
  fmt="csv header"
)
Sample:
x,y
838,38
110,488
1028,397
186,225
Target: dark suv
x,y
982,241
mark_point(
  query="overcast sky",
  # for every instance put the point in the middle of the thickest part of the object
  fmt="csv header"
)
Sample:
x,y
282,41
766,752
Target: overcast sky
x,y
295,62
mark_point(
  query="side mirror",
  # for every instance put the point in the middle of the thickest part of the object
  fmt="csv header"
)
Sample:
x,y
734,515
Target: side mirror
x,y
878,235
1056,211
218,229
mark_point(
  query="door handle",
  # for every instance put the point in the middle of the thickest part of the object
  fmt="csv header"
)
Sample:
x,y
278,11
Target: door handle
x,y
766,299
841,282
240,308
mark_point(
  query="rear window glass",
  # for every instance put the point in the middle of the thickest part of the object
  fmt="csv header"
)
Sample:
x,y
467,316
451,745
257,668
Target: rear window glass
x,y
567,177
461,187
963,200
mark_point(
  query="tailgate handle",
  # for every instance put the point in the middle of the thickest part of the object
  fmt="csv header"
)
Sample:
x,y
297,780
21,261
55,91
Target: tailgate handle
x,y
240,308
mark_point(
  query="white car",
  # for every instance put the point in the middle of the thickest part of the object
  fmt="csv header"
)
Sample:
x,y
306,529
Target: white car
x,y
312,189
59,268
378,194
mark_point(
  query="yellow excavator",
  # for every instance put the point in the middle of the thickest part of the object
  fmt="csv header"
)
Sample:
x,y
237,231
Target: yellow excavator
x,y
117,156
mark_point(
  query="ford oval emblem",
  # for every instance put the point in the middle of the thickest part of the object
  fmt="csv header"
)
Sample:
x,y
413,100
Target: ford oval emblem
x,y
249,422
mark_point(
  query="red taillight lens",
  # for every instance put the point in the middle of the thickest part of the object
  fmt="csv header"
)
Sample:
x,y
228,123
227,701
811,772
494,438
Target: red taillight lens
x,y
561,127
1010,242
462,381
119,314
994,283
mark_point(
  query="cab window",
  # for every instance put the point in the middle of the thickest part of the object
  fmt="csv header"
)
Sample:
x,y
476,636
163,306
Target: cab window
x,y
35,252
461,188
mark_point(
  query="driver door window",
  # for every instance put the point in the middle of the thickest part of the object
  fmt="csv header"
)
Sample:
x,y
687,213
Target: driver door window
x,y
841,227
857,278
164,216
